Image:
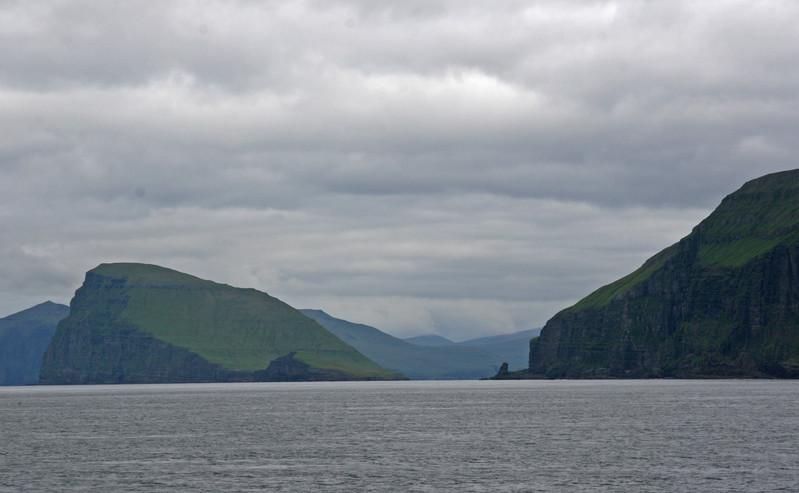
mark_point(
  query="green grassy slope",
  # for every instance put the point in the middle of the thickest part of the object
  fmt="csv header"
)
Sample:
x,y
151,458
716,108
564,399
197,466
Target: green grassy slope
x,y
761,215
723,301
240,329
606,294
417,362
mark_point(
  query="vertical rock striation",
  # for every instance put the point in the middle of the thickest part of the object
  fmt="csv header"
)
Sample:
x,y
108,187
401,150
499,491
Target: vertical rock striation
x,y
723,302
136,323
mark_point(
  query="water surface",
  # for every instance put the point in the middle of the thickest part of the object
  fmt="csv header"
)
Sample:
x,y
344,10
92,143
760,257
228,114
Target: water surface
x,y
651,435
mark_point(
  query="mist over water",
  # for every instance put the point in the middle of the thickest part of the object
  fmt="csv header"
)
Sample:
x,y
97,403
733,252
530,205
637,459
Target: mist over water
x,y
665,435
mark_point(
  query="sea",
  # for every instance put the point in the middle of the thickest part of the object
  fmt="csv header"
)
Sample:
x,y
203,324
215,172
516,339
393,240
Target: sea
x,y
406,436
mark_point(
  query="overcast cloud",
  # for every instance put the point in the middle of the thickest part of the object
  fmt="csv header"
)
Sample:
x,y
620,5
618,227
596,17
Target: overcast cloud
x,y
461,168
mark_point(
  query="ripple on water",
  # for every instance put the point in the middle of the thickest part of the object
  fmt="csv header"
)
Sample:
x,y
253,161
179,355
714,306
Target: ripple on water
x,y
410,436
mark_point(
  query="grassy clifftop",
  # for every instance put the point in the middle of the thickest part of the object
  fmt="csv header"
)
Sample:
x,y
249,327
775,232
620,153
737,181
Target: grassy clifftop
x,y
760,216
723,301
238,330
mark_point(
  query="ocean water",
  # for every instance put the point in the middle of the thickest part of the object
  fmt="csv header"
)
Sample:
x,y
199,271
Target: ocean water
x,y
650,435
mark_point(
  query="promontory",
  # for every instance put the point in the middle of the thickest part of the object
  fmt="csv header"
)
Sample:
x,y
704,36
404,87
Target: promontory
x,y
722,302
139,323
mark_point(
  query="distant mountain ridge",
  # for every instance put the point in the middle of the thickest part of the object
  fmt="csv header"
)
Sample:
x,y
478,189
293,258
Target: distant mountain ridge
x,y
24,336
509,348
430,340
417,362
502,338
140,323
722,302
513,348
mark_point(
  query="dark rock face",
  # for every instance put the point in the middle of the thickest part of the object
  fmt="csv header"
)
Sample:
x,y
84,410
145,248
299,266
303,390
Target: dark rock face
x,y
128,355
723,323
97,344
125,354
723,302
90,350
289,369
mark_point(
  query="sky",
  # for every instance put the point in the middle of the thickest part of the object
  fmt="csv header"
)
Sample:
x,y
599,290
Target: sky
x,y
451,167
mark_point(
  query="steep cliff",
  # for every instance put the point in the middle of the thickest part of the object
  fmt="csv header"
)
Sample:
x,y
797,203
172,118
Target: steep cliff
x,y
136,323
723,302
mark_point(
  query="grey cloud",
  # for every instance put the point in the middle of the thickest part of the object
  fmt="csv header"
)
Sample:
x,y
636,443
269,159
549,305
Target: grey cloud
x,y
466,162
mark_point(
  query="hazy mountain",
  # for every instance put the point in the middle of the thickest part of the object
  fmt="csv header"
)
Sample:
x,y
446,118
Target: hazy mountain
x,y
132,323
429,340
514,348
724,301
417,362
23,338
502,338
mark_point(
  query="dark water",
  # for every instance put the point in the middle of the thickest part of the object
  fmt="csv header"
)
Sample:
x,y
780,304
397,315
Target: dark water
x,y
403,436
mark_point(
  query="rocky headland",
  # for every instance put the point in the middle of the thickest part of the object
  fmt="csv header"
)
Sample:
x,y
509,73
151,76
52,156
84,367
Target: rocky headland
x,y
138,323
722,302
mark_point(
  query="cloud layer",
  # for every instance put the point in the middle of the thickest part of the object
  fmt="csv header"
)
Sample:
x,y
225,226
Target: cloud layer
x,y
450,167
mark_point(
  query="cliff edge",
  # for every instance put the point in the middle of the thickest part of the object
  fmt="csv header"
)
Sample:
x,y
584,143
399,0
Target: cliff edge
x,y
138,323
722,302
